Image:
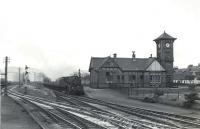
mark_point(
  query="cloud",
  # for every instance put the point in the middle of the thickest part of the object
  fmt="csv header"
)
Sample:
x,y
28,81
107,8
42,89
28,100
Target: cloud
x,y
59,37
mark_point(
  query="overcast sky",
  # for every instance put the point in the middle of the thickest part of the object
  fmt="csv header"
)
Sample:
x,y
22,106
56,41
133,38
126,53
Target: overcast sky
x,y
60,36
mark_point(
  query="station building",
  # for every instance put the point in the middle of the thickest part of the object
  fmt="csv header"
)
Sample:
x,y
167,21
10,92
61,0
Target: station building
x,y
114,71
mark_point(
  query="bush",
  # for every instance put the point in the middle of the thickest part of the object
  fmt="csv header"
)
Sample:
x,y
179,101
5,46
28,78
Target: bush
x,y
153,99
158,93
149,100
191,87
190,99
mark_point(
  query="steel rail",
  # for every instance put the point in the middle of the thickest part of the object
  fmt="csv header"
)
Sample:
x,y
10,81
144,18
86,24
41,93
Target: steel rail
x,y
81,120
132,110
115,117
192,121
42,126
52,114
144,109
91,111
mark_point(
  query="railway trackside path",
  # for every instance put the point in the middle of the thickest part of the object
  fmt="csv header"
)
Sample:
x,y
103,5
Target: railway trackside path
x,y
110,95
37,91
15,117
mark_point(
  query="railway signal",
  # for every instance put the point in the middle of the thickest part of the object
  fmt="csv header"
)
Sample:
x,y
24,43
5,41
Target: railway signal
x,y
26,77
26,73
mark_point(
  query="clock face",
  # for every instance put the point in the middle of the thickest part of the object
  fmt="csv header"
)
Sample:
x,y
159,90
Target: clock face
x,y
167,45
158,45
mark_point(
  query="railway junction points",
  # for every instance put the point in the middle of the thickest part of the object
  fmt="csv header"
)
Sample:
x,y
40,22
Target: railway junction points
x,y
119,98
83,112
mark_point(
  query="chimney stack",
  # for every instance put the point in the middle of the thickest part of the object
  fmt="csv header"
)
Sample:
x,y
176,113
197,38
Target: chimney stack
x,y
150,56
115,55
133,54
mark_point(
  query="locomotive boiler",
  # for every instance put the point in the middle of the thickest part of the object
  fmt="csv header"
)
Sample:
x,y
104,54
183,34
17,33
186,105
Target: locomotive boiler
x,y
71,85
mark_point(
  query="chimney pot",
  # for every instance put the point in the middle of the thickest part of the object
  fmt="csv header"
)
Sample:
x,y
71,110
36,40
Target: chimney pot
x,y
150,56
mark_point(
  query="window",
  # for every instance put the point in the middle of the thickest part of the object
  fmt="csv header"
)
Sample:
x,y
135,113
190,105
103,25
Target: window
x,y
141,77
131,78
151,78
107,73
168,78
155,79
118,78
122,78
109,77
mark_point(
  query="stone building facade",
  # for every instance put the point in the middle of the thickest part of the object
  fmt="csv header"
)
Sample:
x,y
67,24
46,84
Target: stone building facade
x,y
135,72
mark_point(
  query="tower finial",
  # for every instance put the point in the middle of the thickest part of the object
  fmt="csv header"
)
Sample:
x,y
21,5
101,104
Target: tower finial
x,y
164,31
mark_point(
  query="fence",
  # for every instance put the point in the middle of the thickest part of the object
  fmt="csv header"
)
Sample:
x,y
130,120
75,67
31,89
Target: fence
x,y
136,91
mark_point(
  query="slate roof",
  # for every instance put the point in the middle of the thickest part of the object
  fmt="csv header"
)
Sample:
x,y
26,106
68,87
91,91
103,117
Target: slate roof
x,y
164,36
125,64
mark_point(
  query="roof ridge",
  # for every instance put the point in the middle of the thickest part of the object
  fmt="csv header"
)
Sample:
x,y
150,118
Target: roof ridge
x,y
165,36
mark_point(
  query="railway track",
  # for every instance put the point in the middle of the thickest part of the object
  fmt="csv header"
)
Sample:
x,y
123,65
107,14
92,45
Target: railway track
x,y
100,114
81,112
113,117
185,121
45,118
49,116
172,120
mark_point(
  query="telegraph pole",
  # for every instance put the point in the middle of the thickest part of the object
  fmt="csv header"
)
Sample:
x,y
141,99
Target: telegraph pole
x,y
19,77
6,73
79,72
34,77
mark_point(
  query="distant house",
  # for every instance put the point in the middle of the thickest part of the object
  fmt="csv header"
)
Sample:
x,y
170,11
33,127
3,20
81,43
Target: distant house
x,y
135,72
187,75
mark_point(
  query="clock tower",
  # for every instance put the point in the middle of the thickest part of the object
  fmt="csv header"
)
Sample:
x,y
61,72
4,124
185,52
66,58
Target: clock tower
x,y
165,55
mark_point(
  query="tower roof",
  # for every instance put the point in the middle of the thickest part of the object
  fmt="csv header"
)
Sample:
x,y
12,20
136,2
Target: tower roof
x,y
164,36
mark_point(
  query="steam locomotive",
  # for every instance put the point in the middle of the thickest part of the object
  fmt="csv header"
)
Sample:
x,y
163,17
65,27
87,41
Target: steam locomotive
x,y
71,84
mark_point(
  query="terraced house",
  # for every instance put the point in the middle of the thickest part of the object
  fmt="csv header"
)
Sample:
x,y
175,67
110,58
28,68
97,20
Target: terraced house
x,y
135,72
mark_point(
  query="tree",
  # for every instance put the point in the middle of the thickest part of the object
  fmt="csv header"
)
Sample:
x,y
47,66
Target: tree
x,y
74,73
85,78
191,97
189,77
86,75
